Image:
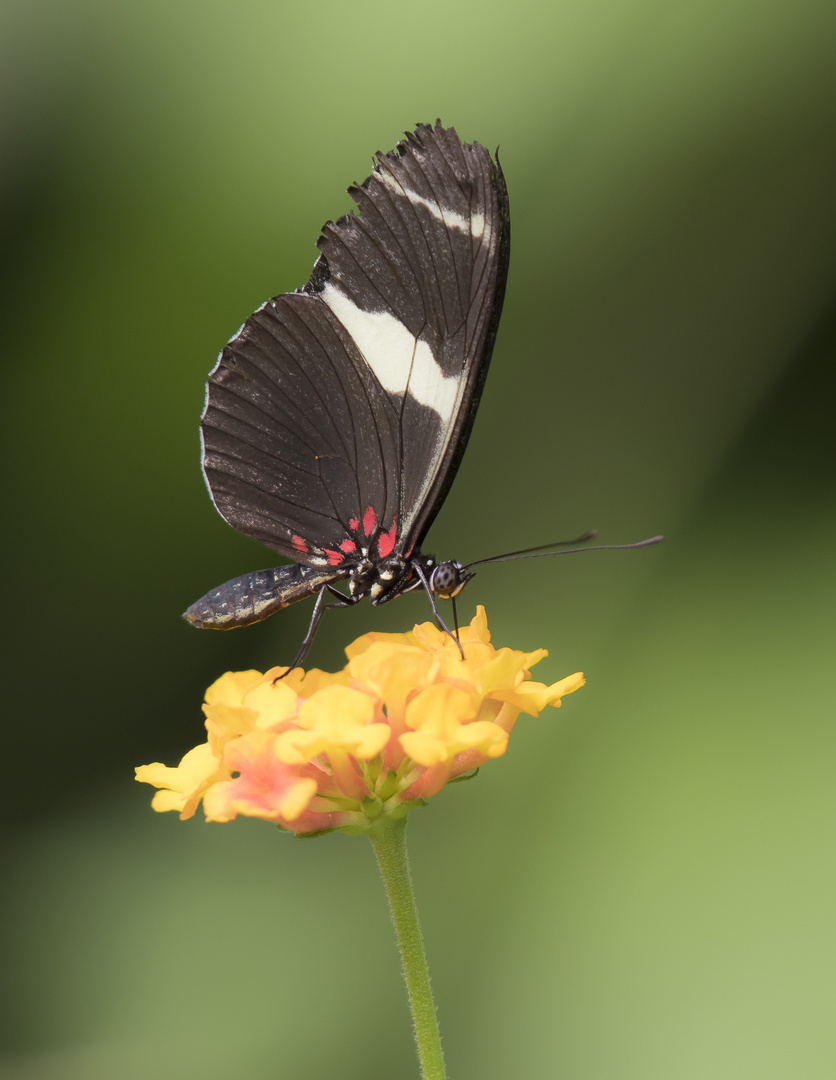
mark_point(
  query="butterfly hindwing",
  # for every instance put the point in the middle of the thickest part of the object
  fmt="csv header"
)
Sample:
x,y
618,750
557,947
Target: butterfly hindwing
x,y
296,435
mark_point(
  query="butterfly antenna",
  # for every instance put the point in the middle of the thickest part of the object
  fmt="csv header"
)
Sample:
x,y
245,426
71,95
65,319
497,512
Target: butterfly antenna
x,y
316,617
590,534
547,549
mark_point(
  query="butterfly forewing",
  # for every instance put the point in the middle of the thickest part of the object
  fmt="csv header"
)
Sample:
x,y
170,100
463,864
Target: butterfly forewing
x,y
418,279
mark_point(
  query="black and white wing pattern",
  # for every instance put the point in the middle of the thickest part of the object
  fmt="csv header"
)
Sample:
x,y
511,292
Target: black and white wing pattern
x,y
337,416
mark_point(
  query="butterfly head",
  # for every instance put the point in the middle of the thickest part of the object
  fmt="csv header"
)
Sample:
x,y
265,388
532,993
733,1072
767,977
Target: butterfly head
x,y
449,578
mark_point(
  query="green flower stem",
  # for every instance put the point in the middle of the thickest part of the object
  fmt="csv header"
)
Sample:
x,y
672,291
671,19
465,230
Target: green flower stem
x,y
388,839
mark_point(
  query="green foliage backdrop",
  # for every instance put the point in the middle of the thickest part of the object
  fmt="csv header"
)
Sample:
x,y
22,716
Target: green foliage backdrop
x,y
644,887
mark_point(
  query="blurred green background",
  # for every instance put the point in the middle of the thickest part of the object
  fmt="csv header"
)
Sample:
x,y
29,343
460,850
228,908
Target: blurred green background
x,y
644,887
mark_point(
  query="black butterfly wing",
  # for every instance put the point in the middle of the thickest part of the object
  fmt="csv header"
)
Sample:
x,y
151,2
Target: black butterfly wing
x,y
418,279
336,417
297,439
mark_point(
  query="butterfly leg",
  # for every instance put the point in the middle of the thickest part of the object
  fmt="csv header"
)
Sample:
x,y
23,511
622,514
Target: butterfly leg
x,y
316,617
455,619
416,566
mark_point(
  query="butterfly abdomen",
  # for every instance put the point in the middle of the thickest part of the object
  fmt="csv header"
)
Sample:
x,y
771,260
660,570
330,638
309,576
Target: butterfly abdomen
x,y
257,595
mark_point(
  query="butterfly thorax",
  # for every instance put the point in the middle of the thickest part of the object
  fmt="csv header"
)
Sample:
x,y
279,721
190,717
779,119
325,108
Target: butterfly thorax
x,y
382,581
387,578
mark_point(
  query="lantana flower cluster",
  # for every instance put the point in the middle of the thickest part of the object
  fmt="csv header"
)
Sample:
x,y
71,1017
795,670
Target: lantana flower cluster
x,y
318,751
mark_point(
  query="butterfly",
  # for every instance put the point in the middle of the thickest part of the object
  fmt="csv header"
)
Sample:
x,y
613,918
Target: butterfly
x,y
337,416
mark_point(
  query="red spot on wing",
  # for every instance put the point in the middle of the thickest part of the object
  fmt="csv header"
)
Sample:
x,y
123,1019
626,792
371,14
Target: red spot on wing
x,y
299,543
334,557
369,521
354,524
347,546
386,541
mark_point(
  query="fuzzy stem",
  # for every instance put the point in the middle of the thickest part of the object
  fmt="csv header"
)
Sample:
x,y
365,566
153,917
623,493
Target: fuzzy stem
x,y
389,842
